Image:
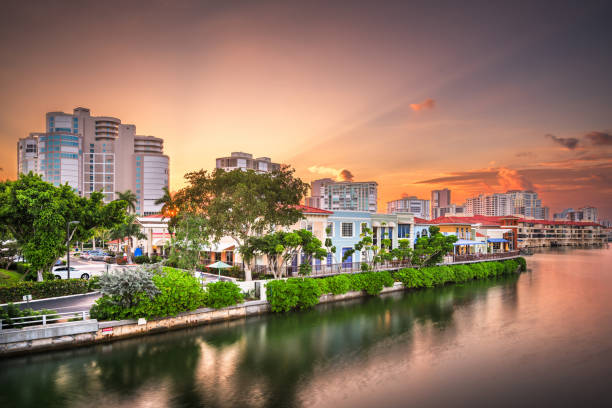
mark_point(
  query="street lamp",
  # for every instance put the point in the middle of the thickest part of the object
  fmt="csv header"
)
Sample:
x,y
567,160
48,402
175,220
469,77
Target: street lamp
x,y
69,237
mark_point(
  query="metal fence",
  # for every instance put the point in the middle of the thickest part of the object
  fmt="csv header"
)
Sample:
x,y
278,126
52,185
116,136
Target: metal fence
x,y
485,257
356,267
44,320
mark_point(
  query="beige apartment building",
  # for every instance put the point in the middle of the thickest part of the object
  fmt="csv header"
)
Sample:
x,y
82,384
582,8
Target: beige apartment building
x,y
97,153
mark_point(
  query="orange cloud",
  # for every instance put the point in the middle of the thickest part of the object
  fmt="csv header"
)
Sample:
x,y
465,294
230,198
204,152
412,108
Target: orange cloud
x,y
426,104
340,174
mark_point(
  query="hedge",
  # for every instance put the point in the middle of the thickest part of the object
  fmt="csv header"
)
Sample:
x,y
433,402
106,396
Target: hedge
x,y
179,291
42,290
302,293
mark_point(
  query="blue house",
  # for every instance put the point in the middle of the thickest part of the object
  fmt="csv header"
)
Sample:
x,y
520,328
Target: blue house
x,y
345,228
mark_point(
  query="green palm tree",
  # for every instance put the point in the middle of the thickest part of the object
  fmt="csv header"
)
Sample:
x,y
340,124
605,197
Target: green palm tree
x,y
129,197
130,229
166,201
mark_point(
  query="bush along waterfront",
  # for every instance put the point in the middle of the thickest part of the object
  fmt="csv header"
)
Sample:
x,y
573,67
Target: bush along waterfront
x,y
152,291
44,289
303,293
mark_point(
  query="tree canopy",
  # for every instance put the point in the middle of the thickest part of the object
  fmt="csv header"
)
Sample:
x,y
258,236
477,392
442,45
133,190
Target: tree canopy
x,y
241,204
430,250
36,213
281,247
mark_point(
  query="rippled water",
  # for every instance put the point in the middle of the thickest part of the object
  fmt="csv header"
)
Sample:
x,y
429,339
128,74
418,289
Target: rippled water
x,y
543,338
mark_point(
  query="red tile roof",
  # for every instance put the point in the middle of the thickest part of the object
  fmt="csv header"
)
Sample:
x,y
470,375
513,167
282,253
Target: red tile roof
x,y
312,210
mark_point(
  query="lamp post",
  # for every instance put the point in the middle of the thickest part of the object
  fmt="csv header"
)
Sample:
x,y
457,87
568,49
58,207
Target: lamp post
x,y
68,238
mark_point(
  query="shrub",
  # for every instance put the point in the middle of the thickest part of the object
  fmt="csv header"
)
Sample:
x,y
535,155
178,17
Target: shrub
x,y
281,296
93,283
522,263
410,278
142,259
478,270
124,284
12,311
371,282
323,285
293,293
41,290
338,284
461,273
179,291
308,292
108,308
222,294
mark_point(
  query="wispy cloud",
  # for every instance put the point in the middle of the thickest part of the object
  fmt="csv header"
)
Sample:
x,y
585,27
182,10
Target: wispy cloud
x,y
599,138
570,142
426,104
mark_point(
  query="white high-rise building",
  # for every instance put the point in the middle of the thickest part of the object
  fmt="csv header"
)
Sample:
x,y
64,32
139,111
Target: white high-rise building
x,y
97,153
332,195
515,202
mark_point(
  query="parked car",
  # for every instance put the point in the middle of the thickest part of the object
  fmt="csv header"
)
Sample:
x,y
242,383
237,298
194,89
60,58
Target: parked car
x,y
94,255
61,272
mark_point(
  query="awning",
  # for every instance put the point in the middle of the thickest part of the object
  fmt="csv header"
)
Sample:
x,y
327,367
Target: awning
x,y
497,240
468,242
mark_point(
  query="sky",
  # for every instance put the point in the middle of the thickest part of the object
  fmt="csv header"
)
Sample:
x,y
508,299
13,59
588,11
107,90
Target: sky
x,y
477,97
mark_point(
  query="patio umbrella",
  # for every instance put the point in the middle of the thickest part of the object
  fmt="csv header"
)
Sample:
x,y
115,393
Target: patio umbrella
x,y
219,265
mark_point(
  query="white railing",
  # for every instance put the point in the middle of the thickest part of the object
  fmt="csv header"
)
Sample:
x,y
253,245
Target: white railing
x,y
44,320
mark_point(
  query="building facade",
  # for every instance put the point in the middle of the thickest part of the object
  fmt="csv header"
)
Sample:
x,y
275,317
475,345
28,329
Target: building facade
x,y
97,153
410,205
440,199
451,210
332,195
514,202
587,214
245,161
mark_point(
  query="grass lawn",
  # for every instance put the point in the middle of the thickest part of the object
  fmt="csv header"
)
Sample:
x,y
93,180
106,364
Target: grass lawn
x,y
9,277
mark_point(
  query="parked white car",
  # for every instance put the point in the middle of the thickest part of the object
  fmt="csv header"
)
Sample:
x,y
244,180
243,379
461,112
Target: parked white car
x,y
61,272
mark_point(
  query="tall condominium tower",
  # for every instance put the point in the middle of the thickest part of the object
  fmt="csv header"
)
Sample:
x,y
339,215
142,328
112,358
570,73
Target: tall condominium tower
x,y
332,195
97,153
440,198
514,202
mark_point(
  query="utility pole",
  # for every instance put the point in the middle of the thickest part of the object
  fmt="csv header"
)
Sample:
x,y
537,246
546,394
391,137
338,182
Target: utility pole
x,y
68,238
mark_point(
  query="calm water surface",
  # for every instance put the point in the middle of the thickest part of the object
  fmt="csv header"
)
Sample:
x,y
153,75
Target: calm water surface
x,y
543,338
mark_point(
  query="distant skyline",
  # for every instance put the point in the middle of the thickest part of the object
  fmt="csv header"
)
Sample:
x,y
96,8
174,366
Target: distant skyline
x,y
473,96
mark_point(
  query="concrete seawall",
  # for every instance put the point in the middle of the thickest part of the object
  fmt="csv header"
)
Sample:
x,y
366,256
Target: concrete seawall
x,y
75,334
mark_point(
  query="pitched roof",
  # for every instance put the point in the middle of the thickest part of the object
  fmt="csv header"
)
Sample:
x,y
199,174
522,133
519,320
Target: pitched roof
x,y
312,210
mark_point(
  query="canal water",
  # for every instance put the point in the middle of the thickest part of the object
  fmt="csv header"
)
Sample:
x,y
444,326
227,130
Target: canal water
x,y
540,339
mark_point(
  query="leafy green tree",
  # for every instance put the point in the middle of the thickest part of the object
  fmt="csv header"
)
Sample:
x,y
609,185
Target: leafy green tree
x,y
403,252
129,197
190,238
36,213
281,247
129,229
430,250
241,204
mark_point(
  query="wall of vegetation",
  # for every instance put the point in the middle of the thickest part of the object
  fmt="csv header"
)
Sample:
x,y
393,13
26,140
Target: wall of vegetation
x,y
302,293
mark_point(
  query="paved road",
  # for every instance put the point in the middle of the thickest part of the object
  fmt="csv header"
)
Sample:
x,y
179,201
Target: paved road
x,y
84,302
64,305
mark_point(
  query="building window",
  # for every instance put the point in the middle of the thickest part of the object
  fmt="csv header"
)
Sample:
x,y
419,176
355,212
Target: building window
x,y
347,229
330,229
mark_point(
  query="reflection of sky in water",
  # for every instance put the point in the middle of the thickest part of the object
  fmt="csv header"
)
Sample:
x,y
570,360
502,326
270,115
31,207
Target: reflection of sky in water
x,y
543,338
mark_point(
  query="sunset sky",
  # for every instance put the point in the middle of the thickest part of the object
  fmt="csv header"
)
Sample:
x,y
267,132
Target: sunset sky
x,y
416,95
